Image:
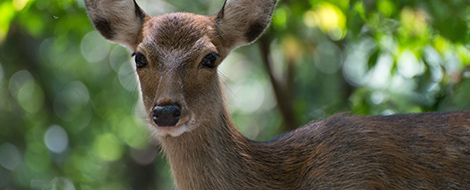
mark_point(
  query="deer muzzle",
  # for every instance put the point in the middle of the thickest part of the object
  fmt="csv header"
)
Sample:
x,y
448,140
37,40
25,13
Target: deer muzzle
x,y
166,116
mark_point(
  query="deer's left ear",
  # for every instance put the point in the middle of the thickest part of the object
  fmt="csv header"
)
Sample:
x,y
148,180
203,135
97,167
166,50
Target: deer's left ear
x,y
119,21
241,22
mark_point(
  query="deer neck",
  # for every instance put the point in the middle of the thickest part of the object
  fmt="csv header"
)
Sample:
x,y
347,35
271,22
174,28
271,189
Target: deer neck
x,y
201,158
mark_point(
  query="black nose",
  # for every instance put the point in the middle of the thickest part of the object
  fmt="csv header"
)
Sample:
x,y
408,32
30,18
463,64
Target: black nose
x,y
166,116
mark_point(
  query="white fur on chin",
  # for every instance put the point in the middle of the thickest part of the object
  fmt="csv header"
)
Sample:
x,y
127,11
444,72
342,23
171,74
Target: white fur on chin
x,y
175,130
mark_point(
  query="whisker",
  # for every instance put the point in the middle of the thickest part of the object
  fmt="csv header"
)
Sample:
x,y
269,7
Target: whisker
x,y
129,74
225,80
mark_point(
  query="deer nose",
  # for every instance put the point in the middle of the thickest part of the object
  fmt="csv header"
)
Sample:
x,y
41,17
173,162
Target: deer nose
x,y
166,116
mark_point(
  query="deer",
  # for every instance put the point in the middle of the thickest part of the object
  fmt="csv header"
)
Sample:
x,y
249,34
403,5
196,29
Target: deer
x,y
176,58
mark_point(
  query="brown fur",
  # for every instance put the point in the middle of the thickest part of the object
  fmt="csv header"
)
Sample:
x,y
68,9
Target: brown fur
x,y
205,151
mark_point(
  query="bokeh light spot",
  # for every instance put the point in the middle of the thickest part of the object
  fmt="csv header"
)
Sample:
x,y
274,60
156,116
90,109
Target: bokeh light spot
x,y
17,81
251,96
69,103
23,88
144,156
310,19
31,97
335,33
327,16
94,48
62,183
26,91
328,57
130,133
9,156
291,47
108,147
56,139
127,77
117,57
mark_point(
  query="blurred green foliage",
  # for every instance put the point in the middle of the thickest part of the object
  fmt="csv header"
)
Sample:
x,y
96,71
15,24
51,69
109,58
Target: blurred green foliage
x,y
70,116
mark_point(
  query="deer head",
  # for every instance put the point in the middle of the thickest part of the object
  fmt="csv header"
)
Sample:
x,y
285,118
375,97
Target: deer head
x,y
177,55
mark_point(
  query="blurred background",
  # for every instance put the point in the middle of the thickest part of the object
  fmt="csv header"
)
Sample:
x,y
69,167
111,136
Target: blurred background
x,y
70,110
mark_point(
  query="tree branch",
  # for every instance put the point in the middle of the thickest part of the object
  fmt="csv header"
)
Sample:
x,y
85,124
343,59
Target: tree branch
x,y
282,92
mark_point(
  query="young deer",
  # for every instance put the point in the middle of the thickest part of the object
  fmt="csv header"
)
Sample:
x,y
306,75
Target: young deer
x,y
177,56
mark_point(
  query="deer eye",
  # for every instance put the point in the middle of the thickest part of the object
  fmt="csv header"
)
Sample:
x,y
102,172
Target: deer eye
x,y
140,60
210,60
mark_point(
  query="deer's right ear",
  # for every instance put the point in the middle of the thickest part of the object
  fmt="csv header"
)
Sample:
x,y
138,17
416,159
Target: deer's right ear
x,y
119,21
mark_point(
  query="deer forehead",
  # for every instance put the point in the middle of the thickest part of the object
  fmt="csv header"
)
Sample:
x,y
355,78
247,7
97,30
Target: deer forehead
x,y
184,32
